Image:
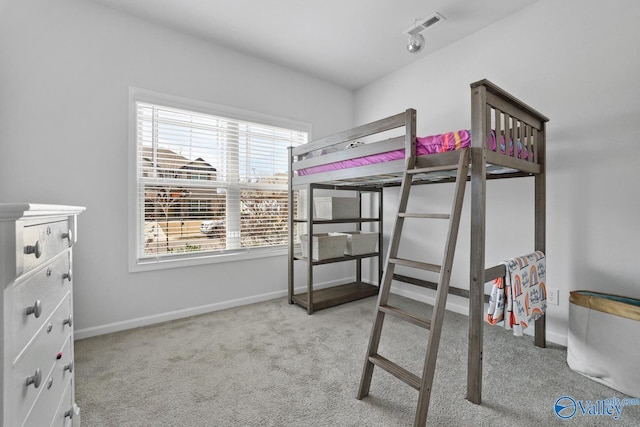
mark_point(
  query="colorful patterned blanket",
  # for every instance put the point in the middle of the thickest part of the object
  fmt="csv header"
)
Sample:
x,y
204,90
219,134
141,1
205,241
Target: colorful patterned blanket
x,y
521,297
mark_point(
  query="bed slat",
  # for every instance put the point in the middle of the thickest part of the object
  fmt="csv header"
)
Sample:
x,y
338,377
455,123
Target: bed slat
x,y
381,125
498,123
513,110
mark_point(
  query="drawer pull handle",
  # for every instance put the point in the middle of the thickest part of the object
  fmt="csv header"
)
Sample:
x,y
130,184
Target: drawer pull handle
x,y
35,379
36,310
74,410
68,321
69,236
67,276
68,367
35,249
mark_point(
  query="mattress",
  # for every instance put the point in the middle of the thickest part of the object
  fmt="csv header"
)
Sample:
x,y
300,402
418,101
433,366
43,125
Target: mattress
x,y
426,145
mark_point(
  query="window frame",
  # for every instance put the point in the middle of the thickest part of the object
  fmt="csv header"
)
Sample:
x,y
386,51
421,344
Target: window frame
x,y
137,263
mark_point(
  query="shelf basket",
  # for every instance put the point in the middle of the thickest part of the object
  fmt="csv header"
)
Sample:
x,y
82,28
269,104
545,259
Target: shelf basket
x,y
325,245
359,242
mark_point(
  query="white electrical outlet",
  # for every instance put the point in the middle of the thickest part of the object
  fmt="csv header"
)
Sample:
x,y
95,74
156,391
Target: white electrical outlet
x,y
552,296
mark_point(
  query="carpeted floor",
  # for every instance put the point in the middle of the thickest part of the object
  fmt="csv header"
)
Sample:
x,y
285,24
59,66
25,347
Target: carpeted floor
x,y
271,364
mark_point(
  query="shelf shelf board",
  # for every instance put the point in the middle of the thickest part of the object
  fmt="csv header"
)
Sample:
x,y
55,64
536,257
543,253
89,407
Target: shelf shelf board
x,y
299,256
339,221
336,295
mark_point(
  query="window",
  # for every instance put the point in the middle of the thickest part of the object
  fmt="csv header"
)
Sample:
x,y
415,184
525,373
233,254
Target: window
x,y
209,185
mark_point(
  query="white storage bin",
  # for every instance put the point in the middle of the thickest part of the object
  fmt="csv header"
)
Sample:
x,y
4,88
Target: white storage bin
x,y
325,246
336,207
604,339
359,242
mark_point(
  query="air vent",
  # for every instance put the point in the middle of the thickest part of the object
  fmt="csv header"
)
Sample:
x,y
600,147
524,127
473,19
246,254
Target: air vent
x,y
422,24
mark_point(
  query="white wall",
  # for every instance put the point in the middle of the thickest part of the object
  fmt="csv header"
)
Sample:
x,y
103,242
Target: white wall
x,y
65,69
576,62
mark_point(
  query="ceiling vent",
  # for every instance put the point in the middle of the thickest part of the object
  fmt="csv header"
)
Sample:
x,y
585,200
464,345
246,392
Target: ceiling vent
x,y
422,24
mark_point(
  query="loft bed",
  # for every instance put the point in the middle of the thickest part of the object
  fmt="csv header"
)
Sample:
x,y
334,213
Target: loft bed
x,y
506,140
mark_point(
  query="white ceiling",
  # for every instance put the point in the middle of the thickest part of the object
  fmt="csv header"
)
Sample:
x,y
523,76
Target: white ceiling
x,y
348,42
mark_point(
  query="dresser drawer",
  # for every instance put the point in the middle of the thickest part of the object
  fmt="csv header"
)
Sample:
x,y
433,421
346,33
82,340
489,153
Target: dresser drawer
x,y
35,298
55,394
43,241
35,365
67,414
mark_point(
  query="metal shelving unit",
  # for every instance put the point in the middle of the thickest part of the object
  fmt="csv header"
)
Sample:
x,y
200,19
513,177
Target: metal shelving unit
x,y
317,299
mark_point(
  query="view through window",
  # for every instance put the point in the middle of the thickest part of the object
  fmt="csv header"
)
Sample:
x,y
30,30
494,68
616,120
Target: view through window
x,y
209,184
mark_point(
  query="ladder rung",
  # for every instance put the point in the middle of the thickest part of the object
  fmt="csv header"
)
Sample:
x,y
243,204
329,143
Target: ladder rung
x,y
424,215
415,264
432,169
397,371
411,318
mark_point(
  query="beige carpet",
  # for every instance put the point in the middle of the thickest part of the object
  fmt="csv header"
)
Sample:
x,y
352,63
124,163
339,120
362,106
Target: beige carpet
x,y
271,364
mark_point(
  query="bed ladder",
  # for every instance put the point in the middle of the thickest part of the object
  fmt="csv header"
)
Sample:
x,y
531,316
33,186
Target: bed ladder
x,y
434,325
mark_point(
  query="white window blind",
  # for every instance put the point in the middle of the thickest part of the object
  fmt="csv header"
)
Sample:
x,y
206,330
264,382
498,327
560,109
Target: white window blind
x,y
209,184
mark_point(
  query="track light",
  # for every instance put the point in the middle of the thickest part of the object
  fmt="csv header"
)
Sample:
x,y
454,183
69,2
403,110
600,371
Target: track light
x,y
415,43
416,39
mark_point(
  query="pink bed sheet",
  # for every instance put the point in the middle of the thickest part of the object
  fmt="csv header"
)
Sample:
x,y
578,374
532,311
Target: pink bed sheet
x,y
425,146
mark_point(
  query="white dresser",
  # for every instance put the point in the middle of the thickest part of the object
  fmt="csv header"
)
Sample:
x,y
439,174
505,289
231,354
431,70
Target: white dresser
x,y
37,315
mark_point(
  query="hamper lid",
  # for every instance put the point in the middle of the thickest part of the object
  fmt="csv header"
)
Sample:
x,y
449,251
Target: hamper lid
x,y
607,303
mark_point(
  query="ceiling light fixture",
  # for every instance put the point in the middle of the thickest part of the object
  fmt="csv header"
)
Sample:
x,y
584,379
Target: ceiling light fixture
x,y
416,40
415,43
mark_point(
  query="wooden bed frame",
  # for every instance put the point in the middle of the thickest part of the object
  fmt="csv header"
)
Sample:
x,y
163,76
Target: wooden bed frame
x,y
492,108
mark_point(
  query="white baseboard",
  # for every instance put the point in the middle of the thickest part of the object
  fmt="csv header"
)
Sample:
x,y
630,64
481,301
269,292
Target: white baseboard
x,y
557,338
463,309
173,315
192,311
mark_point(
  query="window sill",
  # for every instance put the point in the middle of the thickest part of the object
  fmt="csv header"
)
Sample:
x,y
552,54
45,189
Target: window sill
x,y
151,264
